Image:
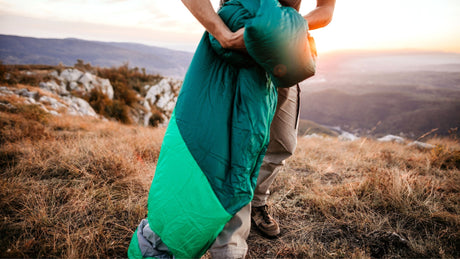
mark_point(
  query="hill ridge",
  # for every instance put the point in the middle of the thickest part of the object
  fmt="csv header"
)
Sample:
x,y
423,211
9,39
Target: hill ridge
x,y
52,51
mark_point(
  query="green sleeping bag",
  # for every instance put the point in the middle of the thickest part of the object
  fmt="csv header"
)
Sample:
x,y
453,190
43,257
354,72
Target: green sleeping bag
x,y
218,133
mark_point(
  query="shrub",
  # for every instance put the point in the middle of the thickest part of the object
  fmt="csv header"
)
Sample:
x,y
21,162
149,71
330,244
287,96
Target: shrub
x,y
106,107
23,74
119,111
157,118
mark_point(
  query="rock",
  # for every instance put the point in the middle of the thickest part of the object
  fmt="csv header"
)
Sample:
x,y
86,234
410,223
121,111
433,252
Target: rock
x,y
164,96
6,91
74,86
87,80
53,87
347,136
148,113
31,101
43,107
314,135
391,138
78,106
70,75
79,81
55,113
421,145
25,93
105,86
54,74
55,104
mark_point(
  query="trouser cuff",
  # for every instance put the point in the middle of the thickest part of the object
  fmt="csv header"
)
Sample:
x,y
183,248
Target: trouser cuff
x,y
228,253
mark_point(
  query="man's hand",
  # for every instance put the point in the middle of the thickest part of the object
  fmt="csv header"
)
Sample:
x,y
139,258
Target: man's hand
x,y
205,14
234,41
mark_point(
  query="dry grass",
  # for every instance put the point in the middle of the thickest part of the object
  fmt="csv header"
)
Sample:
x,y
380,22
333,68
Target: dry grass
x,y
77,187
366,199
77,191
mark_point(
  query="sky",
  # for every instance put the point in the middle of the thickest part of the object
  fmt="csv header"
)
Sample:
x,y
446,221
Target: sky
x,y
432,25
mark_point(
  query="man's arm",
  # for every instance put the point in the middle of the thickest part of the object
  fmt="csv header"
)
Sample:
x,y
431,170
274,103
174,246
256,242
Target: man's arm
x,y
321,15
205,14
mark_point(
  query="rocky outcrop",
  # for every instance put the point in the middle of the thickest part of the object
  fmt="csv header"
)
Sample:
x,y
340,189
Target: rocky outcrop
x,y
60,93
54,105
163,96
72,79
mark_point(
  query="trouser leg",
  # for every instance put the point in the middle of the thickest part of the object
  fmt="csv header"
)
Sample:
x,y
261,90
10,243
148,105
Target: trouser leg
x,y
283,140
231,242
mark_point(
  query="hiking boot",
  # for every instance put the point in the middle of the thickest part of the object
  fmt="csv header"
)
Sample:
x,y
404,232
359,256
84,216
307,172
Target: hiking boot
x,y
264,222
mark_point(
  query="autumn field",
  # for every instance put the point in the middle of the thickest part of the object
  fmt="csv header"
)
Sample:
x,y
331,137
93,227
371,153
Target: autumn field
x,y
76,187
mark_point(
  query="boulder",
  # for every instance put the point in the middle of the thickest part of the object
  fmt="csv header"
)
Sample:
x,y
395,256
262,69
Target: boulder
x,y
70,75
105,86
391,138
78,106
420,145
347,136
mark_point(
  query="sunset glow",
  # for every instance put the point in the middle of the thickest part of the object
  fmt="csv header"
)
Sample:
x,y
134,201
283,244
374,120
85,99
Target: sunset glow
x,y
357,24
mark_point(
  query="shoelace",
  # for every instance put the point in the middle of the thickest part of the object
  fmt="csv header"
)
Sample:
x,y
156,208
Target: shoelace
x,y
265,215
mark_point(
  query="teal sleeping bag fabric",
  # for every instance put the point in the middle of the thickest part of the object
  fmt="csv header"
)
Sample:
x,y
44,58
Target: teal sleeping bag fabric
x,y
217,136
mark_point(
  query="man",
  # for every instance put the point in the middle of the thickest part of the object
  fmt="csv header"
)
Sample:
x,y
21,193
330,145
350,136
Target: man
x,y
231,242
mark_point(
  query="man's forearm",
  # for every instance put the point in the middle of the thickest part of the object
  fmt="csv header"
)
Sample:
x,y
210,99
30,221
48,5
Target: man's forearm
x,y
321,15
205,14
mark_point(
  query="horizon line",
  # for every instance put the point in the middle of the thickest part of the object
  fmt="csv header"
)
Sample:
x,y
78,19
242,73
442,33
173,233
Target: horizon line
x,y
170,46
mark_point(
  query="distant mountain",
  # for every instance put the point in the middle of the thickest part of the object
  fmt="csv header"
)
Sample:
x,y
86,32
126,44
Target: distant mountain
x,y
27,50
385,92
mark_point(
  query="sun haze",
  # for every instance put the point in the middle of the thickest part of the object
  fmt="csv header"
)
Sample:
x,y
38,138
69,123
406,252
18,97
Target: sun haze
x,y
357,24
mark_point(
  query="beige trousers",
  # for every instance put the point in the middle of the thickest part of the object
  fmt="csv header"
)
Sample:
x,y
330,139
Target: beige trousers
x,y
231,242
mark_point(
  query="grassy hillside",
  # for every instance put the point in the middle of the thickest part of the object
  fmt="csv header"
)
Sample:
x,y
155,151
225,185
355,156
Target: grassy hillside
x,y
77,187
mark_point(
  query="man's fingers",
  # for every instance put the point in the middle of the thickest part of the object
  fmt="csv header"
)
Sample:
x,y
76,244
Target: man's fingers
x,y
238,40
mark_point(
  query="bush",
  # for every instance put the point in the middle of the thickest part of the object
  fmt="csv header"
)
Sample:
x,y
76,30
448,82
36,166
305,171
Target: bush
x,y
126,82
106,107
156,118
23,74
